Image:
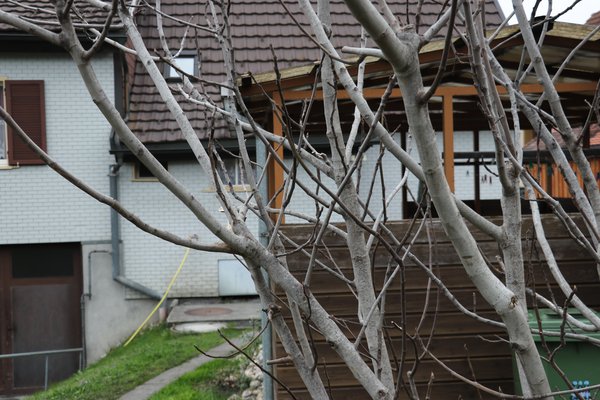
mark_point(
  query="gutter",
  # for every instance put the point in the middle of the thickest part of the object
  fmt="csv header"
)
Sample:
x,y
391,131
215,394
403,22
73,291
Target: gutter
x,y
115,239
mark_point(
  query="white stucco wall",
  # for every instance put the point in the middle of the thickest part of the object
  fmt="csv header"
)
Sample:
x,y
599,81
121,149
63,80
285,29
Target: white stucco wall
x,y
37,204
152,261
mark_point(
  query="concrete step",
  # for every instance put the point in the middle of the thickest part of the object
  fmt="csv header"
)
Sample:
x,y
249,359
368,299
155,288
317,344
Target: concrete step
x,y
215,311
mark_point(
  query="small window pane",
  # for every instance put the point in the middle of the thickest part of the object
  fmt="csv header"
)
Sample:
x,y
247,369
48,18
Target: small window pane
x,y
186,64
42,261
142,172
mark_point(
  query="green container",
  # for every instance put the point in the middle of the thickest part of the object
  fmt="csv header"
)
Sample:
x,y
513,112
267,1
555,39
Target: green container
x,y
579,361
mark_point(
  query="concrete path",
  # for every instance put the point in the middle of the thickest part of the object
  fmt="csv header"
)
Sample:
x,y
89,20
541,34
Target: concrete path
x,y
242,310
147,389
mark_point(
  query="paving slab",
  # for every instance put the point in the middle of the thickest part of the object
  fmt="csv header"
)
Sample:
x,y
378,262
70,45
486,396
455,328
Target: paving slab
x,y
215,312
147,389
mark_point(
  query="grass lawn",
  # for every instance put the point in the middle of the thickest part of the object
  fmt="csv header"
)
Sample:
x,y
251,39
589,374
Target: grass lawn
x,y
208,382
124,368
215,380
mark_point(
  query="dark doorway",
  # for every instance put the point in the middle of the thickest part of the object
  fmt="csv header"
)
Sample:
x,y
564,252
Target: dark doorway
x,y
40,290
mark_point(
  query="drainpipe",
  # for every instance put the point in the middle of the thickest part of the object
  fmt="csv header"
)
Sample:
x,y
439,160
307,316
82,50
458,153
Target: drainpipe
x,y
113,175
261,159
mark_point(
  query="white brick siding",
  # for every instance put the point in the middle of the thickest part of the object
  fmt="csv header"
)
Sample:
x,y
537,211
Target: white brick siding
x,y
37,204
152,261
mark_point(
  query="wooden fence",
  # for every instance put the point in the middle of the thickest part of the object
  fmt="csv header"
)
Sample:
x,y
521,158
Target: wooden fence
x,y
473,349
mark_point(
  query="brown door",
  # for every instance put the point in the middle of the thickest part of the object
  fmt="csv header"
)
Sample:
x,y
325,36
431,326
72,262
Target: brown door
x,y
40,295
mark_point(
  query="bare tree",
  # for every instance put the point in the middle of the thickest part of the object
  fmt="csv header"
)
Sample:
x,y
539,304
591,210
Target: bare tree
x,y
363,228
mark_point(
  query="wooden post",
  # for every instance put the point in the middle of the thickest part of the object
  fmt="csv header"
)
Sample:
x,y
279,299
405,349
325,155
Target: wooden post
x,y
276,173
449,140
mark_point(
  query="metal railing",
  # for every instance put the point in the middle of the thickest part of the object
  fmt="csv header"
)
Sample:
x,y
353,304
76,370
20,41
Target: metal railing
x,y
47,354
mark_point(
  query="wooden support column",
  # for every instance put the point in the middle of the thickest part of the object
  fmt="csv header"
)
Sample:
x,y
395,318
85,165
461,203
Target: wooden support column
x,y
275,170
449,140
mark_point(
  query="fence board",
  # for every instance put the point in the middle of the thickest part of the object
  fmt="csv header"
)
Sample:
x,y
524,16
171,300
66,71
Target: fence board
x,y
456,338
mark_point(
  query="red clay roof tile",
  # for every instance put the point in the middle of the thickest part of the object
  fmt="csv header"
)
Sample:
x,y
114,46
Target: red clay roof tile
x,y
255,27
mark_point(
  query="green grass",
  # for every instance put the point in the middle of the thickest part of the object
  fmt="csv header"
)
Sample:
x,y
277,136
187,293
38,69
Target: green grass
x,y
124,368
215,380
208,382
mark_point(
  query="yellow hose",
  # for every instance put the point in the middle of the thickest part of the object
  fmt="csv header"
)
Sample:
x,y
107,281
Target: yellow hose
x,y
185,256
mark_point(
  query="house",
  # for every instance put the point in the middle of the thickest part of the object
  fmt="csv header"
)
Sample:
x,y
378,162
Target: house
x,y
462,129
594,19
99,271
460,124
550,178
56,291
54,222
255,27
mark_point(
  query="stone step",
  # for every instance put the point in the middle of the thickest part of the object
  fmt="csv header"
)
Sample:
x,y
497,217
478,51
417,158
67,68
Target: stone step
x,y
218,311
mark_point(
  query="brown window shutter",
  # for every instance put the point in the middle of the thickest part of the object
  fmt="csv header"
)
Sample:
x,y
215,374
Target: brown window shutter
x,y
25,102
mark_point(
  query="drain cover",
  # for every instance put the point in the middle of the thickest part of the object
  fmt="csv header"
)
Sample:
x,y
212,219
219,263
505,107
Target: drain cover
x,y
208,311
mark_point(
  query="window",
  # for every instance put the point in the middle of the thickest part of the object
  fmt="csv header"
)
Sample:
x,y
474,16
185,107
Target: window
x,y
142,173
25,103
186,63
233,169
234,174
42,261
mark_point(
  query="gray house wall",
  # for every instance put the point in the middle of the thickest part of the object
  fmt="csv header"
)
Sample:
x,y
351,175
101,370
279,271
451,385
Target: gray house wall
x,y
152,261
46,209
39,206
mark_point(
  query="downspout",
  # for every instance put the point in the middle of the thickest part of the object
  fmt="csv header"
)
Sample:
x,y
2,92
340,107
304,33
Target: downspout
x,y
267,343
115,239
261,159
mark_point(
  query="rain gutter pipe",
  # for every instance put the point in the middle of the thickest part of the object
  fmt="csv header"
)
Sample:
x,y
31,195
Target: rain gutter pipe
x,y
115,239
263,235
261,159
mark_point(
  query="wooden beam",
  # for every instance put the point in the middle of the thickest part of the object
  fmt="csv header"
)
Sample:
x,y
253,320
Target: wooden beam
x,y
375,93
275,170
449,141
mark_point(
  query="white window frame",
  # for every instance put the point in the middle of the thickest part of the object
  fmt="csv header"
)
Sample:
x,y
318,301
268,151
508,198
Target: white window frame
x,y
138,166
185,62
233,168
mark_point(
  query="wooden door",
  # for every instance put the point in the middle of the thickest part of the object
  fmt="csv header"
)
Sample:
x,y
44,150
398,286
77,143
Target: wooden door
x,y
41,297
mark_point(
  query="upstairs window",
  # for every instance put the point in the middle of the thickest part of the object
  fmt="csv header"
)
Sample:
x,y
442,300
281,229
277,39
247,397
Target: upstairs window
x,y
233,173
186,63
142,173
24,101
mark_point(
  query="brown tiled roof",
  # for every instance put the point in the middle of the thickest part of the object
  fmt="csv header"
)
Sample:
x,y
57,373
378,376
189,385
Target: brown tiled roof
x,y
594,19
256,25
42,13
534,145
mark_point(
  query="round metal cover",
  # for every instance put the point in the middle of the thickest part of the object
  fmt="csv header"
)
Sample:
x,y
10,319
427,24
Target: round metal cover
x,y
208,311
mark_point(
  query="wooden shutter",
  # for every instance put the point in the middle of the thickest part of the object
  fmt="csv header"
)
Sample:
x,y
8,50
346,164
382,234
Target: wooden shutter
x,y
25,102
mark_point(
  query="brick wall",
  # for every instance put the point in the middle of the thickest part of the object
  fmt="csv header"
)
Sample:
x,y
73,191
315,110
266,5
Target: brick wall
x,y
37,204
152,261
